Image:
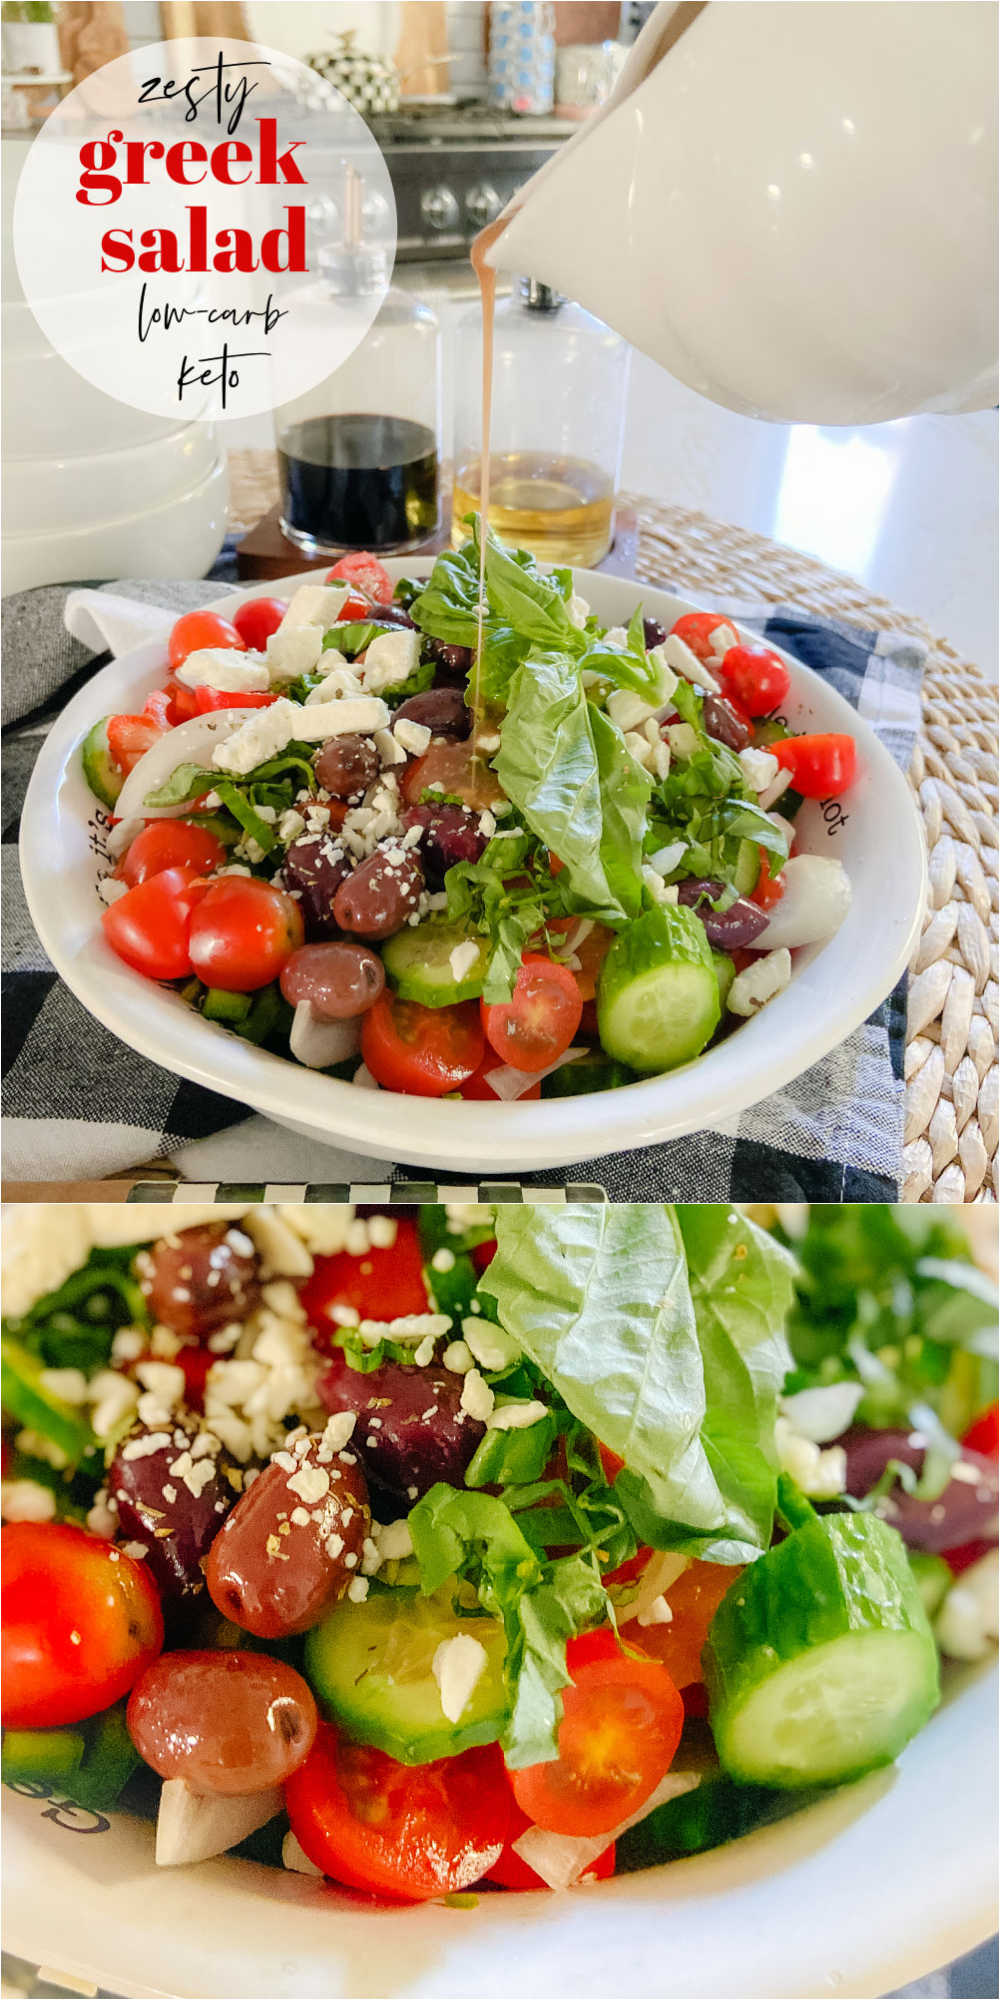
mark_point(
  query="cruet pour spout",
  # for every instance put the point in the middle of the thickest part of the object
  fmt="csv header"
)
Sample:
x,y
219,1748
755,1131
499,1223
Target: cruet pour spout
x,y
791,208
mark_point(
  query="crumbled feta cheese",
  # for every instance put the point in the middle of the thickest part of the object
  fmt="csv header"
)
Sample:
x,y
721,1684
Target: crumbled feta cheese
x,y
225,668
760,982
409,1327
657,1613
457,1357
616,637
292,653
314,604
311,1483
640,746
339,680
443,1259
967,1621
388,749
457,1666
264,734
760,768
68,1384
392,657
26,1500
462,958
349,716
129,1342
164,1382
290,825
477,1397
281,1249
338,1432
627,709
666,677
414,736
492,1347
721,637
661,891
683,739
357,1589
577,611
394,1539
687,664
517,1416
820,1474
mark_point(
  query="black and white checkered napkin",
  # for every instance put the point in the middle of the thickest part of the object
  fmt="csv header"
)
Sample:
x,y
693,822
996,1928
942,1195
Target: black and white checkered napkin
x,y
78,1104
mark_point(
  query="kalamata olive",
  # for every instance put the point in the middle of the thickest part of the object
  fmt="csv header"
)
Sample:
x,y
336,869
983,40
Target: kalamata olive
x,y
411,1429
173,1488
224,1722
965,1511
458,773
441,710
721,721
377,898
454,663
347,765
340,981
313,870
727,930
451,834
293,1542
201,1278
391,614
653,633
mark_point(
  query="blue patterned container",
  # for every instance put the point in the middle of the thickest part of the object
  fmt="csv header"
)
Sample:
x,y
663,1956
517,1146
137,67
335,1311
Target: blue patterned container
x,y
522,64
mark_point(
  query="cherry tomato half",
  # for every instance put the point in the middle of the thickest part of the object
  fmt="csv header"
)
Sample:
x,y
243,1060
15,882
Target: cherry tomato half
x,y
537,1024
355,607
170,843
694,1600
207,700
695,628
405,1832
150,926
182,700
242,932
130,736
758,677
383,1284
198,629
821,766
982,1436
621,1724
257,619
422,1051
81,1621
768,889
364,570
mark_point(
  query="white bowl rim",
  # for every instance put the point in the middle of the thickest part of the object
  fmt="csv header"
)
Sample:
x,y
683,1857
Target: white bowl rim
x,y
454,1135
865,1890
189,494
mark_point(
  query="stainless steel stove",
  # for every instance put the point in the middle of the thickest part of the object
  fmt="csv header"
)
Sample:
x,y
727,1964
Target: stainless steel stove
x,y
454,167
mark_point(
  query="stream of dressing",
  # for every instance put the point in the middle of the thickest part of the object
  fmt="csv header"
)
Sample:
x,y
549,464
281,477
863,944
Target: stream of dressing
x,y
487,278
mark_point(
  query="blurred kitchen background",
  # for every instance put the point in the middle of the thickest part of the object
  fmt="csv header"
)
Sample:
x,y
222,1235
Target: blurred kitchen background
x,y
464,112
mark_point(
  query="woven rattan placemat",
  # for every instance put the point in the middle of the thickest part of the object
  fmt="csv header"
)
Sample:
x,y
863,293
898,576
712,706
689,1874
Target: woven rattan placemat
x,y
951,1130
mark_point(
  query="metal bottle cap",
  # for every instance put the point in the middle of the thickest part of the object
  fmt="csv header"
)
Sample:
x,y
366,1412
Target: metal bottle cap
x,y
540,298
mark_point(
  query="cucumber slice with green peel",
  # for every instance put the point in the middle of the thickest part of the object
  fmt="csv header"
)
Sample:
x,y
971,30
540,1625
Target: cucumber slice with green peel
x,y
725,972
220,1005
41,1756
34,1407
820,1662
595,1071
99,767
370,1666
716,1811
418,963
658,995
747,869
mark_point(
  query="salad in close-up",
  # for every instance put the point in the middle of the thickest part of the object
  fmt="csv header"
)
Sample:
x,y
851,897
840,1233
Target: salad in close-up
x,y
474,1549
442,847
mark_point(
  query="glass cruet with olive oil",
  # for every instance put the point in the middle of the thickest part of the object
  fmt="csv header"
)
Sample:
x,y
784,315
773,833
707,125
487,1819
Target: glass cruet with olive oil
x,y
558,399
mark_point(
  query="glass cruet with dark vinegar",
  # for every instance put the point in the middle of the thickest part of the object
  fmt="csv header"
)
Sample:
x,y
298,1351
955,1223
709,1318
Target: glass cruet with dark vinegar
x,y
560,379
358,455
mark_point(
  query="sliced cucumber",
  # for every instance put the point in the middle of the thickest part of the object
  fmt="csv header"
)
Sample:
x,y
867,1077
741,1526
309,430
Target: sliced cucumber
x,y
820,1663
747,869
34,1407
658,995
725,972
99,768
591,1072
370,1665
419,964
220,1005
716,1811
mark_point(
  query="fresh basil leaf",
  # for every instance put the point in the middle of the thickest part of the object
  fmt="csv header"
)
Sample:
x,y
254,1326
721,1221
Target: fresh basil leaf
x,y
352,637
416,683
567,769
187,781
513,1457
238,803
448,605
528,601
600,1300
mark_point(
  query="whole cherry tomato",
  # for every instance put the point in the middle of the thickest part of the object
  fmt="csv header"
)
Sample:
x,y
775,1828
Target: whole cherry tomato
x,y
364,570
257,619
170,843
150,926
242,932
81,1621
822,767
758,677
198,629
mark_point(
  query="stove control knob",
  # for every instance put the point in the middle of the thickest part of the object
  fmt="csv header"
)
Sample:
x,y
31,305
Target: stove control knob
x,y
482,203
439,208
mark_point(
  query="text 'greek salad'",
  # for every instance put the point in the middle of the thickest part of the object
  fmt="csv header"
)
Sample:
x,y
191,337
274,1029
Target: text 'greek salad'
x,y
485,1549
546,868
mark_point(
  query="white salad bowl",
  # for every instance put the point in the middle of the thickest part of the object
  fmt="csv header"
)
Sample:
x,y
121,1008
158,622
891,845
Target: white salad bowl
x,y
875,832
873,1886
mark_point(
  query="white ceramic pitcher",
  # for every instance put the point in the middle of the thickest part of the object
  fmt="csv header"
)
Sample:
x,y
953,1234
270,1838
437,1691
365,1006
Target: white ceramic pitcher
x,y
790,206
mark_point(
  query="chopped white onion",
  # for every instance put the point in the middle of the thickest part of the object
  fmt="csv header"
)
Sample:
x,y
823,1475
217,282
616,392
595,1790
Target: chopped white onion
x,y
657,1579
192,1826
561,1858
822,1414
510,1084
319,1044
816,900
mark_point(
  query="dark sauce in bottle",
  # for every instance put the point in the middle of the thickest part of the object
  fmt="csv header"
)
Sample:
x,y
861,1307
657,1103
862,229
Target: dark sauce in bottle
x,y
358,481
